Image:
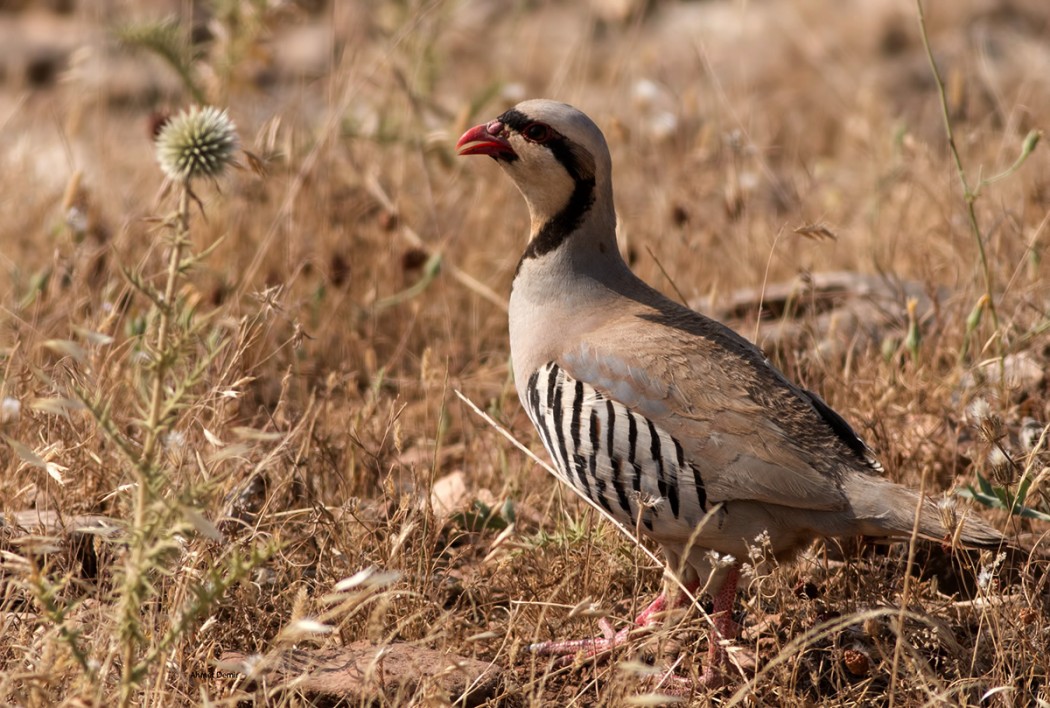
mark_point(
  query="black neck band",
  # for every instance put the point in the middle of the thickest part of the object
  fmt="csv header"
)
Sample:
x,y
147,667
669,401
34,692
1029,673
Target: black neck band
x,y
561,225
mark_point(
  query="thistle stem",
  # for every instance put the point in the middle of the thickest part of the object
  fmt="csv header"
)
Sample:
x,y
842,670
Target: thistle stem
x,y
145,467
153,424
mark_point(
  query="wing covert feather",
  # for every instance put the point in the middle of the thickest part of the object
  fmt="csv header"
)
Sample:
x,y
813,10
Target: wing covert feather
x,y
752,434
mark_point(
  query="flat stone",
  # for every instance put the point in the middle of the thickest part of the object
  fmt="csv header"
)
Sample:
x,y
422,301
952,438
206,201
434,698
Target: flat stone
x,y
1017,372
842,310
362,672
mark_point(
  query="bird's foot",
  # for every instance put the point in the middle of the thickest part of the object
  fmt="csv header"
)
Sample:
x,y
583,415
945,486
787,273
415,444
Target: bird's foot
x,y
681,687
569,649
724,629
711,678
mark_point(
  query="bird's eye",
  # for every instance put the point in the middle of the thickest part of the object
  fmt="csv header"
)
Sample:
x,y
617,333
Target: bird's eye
x,y
537,132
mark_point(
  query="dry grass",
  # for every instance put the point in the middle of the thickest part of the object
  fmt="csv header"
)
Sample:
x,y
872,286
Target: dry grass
x,y
731,124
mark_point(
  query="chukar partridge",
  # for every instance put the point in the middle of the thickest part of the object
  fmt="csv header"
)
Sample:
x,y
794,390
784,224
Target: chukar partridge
x,y
668,420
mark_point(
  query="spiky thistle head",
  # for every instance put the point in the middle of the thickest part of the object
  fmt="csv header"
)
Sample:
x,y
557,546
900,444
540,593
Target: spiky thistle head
x,y
198,142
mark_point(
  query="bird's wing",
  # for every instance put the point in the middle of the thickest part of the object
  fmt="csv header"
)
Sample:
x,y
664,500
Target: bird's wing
x,y
750,434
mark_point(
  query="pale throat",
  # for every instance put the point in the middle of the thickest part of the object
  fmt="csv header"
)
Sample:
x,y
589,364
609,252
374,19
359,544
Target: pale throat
x,y
544,205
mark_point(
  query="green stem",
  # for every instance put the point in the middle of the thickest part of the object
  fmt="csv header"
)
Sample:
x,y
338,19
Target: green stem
x,y
154,427
153,424
968,195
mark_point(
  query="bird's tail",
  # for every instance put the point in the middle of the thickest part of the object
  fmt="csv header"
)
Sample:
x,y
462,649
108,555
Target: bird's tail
x,y
888,509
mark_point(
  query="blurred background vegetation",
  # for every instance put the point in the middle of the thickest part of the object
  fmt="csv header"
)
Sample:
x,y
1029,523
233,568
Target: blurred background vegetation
x,y
782,166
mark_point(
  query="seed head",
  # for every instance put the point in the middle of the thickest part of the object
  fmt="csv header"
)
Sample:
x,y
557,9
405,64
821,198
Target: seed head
x,y
199,142
1031,434
10,410
988,572
720,560
989,425
1000,466
856,662
979,410
946,508
647,501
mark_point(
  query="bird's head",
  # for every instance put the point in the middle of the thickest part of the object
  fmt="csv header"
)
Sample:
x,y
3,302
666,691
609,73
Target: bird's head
x,y
555,154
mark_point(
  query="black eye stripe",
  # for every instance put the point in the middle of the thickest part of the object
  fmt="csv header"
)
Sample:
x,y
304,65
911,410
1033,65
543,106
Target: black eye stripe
x,y
579,166
521,123
515,120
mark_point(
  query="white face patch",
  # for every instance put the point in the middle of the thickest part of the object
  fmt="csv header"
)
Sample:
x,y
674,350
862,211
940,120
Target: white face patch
x,y
542,180
561,160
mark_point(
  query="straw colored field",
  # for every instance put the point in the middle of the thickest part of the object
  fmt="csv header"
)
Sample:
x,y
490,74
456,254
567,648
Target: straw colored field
x,y
308,427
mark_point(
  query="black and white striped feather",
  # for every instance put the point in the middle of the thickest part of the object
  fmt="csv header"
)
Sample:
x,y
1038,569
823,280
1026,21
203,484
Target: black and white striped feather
x,y
615,456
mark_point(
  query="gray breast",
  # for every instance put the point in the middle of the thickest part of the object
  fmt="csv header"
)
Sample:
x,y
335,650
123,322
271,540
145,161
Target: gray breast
x,y
615,456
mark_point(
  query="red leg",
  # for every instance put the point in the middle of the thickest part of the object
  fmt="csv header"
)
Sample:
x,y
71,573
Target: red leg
x,y
725,628
610,639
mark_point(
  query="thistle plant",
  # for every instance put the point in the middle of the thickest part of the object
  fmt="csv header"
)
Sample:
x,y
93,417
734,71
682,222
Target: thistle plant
x,y
173,374
197,143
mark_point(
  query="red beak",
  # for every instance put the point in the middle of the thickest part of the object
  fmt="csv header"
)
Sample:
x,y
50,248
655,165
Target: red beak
x,y
485,139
